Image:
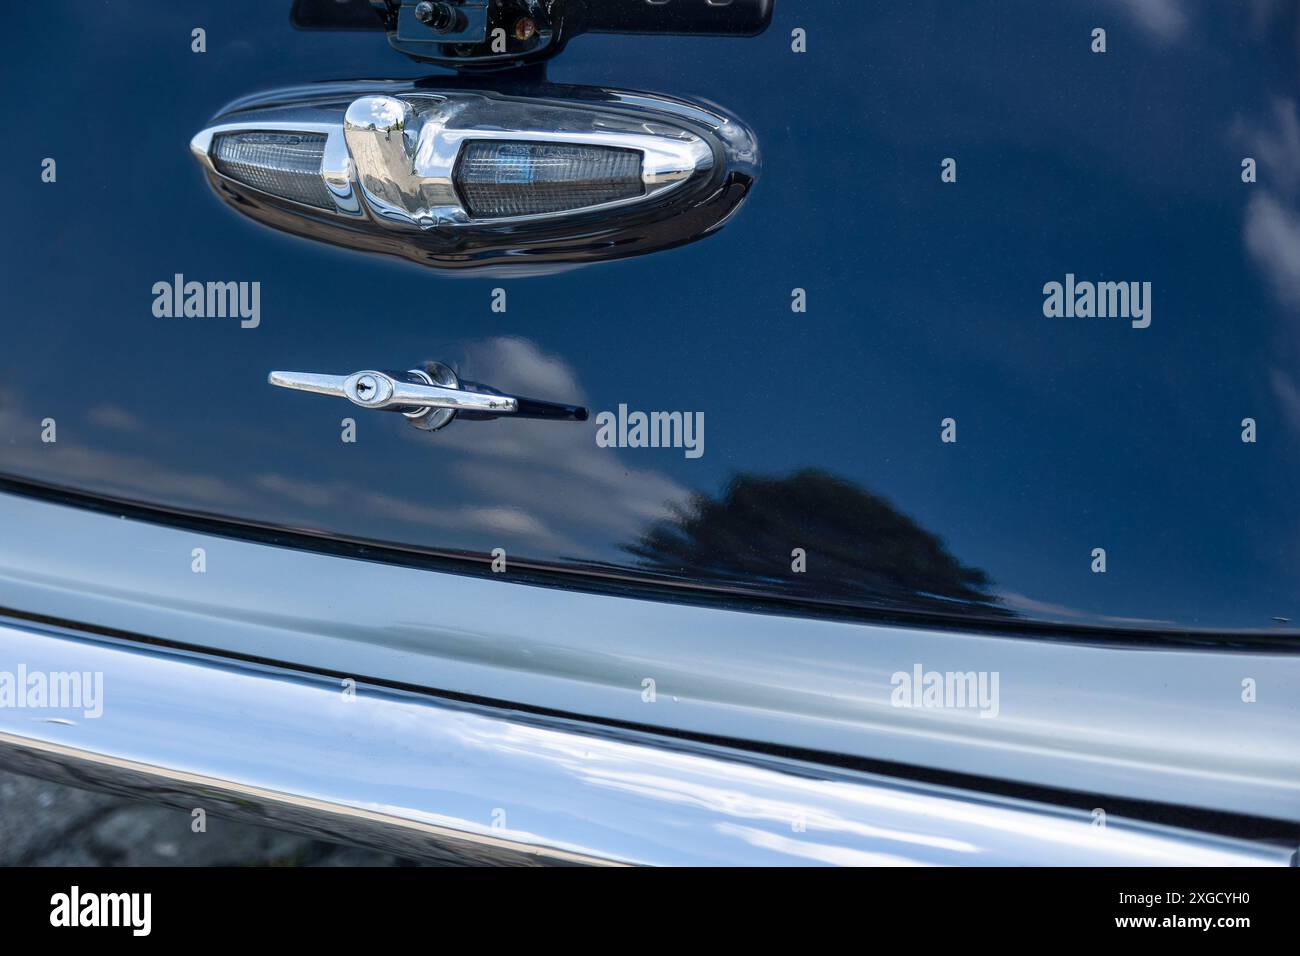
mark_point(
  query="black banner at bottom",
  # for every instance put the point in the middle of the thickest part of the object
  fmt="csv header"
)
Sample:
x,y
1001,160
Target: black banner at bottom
x,y
333,905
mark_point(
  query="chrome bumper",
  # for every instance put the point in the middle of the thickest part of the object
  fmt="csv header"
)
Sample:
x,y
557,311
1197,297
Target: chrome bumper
x,y
431,778
1146,724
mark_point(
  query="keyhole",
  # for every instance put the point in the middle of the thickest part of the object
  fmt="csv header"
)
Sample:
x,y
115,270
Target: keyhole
x,y
367,390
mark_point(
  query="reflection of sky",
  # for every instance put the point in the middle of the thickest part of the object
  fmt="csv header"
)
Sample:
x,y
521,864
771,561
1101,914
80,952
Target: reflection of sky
x,y
924,301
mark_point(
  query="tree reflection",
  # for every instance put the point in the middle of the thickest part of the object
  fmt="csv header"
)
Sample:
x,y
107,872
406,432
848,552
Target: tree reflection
x,y
860,548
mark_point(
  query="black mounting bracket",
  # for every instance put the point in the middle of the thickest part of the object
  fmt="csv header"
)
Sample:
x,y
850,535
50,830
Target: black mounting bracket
x,y
502,34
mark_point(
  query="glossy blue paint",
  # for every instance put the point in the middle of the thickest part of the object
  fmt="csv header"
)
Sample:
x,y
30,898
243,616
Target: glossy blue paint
x,y
924,302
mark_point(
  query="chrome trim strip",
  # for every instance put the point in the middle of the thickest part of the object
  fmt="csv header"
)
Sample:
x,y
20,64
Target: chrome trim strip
x,y
427,777
1159,725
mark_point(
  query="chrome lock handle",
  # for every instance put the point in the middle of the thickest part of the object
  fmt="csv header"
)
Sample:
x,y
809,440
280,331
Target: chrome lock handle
x,y
430,397
384,391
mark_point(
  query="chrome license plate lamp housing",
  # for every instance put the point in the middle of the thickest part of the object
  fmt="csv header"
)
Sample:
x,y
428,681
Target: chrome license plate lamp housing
x,y
390,157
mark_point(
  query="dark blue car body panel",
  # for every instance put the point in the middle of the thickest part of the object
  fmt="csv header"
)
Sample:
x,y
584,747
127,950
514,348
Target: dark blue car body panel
x,y
925,301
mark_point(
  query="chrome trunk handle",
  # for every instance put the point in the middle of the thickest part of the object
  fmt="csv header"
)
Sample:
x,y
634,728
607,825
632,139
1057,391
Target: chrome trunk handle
x,y
430,396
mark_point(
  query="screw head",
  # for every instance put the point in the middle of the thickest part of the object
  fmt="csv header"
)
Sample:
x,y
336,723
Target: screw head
x,y
437,16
